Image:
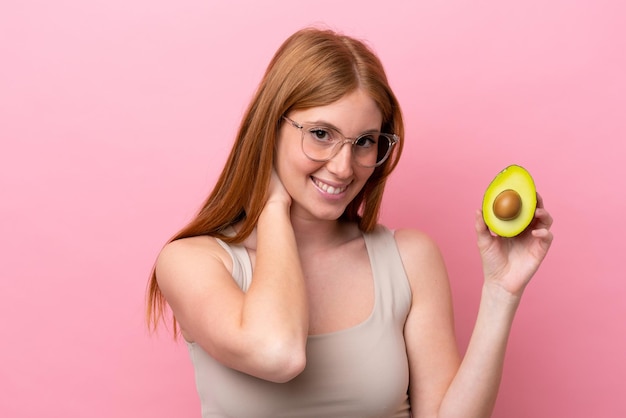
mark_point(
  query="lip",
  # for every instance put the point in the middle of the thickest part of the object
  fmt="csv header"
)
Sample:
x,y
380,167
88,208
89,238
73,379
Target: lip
x,y
330,189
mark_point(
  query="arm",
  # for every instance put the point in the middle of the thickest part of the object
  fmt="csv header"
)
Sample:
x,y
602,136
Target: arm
x,y
261,332
442,385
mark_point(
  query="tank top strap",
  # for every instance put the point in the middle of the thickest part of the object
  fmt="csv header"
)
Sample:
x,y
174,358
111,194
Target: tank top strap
x,y
242,266
393,292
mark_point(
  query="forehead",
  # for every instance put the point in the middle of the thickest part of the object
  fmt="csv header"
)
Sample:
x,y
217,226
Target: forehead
x,y
355,112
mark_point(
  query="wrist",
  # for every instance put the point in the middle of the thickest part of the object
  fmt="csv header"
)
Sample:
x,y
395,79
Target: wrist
x,y
497,295
275,210
277,205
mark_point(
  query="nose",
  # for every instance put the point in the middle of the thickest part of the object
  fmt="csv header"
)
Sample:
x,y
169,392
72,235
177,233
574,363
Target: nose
x,y
341,163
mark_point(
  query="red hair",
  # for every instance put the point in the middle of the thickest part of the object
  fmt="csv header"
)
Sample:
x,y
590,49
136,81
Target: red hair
x,y
313,67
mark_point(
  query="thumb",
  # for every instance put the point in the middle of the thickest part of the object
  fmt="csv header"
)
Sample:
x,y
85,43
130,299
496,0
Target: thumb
x,y
483,236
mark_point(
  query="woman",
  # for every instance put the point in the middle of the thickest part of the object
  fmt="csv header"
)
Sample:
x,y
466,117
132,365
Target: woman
x,y
293,301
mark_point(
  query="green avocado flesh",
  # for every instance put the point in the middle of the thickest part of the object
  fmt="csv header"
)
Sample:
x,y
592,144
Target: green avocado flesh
x,y
509,202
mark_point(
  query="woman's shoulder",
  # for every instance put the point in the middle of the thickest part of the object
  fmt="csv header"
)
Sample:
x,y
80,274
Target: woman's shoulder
x,y
190,246
420,254
414,239
192,253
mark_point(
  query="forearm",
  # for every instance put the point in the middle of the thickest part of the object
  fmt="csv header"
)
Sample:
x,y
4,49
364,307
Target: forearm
x,y
474,389
275,313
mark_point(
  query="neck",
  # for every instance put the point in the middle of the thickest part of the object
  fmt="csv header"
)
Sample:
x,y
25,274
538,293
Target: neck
x,y
314,234
318,234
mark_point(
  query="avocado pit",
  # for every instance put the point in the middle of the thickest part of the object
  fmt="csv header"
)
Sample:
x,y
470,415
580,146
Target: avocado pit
x,y
507,205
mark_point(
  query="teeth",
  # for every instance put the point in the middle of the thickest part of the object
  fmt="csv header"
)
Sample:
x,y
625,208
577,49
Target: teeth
x,y
329,189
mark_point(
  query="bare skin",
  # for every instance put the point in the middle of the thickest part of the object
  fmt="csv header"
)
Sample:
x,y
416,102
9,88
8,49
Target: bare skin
x,y
312,275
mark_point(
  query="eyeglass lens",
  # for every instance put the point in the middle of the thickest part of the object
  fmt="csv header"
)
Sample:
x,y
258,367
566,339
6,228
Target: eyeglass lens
x,y
323,144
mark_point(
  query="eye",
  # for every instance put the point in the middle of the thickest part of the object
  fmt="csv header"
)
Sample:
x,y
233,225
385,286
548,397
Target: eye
x,y
321,135
366,141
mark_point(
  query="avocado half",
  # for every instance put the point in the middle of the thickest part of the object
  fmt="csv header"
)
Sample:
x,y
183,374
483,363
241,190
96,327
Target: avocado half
x,y
510,201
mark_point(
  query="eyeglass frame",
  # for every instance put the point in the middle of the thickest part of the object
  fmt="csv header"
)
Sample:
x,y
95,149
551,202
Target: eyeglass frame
x,y
392,138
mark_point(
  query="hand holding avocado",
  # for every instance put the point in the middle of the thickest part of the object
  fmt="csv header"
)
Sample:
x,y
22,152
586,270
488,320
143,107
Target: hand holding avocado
x,y
513,230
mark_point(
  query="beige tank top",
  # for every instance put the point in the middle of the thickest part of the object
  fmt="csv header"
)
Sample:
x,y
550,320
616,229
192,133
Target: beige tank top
x,y
357,372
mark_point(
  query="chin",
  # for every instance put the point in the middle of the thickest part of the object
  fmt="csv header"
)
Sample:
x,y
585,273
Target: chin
x,y
319,215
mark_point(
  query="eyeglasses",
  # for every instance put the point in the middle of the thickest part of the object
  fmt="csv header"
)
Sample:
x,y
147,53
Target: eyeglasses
x,y
321,143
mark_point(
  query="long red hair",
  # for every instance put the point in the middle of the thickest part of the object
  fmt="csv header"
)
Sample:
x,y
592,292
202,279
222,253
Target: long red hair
x,y
313,67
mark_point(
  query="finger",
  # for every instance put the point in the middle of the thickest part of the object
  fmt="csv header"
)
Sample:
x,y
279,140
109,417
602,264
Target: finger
x,y
479,222
543,217
545,236
542,233
539,201
482,231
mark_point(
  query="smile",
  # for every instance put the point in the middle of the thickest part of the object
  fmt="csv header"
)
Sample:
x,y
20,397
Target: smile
x,y
328,188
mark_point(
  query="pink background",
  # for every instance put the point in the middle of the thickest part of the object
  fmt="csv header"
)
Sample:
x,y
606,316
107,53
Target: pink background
x,y
116,117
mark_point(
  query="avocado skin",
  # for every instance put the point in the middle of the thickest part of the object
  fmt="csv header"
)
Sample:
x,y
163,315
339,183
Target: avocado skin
x,y
517,178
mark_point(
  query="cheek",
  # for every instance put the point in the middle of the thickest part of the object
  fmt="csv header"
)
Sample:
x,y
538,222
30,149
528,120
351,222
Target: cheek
x,y
363,174
291,164
281,156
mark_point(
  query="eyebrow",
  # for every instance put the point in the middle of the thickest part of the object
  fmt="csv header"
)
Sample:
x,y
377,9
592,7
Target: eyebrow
x,y
323,123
